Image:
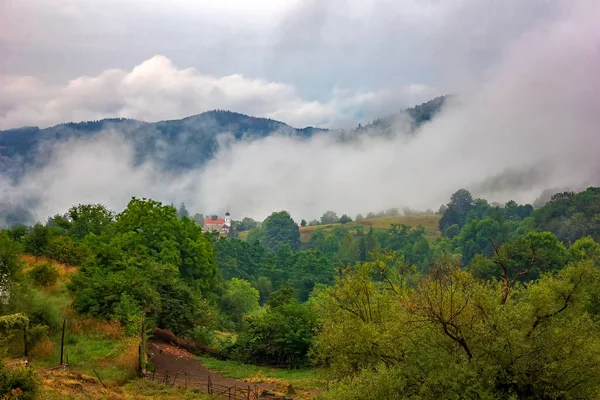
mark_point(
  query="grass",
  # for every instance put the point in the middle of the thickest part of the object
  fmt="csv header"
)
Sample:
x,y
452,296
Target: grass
x,y
428,221
59,385
90,343
114,359
301,379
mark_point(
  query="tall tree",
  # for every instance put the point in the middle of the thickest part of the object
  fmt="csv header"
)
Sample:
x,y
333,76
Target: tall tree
x,y
329,217
182,211
279,229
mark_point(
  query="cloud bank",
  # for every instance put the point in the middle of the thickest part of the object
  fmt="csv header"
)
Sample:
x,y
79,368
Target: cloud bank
x,y
529,124
157,90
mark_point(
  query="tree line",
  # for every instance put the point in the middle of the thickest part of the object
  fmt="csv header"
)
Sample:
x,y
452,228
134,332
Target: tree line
x,y
478,312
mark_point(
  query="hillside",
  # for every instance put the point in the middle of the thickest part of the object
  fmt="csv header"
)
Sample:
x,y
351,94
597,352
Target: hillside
x,y
418,115
176,144
101,358
428,221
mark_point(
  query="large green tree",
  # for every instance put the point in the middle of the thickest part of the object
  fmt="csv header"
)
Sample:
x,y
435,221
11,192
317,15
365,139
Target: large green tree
x,y
279,228
452,336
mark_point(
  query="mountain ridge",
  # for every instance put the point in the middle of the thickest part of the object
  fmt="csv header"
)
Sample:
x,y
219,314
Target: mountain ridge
x,y
180,144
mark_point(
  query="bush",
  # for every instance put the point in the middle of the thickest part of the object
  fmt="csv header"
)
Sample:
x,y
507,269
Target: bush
x,y
345,219
128,312
280,335
65,250
36,333
17,382
203,335
39,310
44,274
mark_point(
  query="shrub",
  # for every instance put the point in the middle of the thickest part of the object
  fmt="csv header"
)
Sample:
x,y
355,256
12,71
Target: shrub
x,y
65,250
17,382
128,312
345,219
41,311
44,274
203,335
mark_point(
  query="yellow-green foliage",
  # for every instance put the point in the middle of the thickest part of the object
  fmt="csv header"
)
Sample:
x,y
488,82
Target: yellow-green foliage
x,y
13,321
451,336
428,221
44,274
301,379
60,385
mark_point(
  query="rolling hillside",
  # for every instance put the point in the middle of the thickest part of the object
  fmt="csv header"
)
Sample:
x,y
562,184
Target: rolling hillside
x,y
176,144
428,221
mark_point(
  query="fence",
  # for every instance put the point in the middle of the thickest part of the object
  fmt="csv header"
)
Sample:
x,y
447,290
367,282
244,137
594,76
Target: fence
x,y
205,384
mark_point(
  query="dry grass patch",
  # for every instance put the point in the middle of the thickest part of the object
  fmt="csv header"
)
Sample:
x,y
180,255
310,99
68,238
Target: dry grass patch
x,y
96,326
42,349
64,270
427,221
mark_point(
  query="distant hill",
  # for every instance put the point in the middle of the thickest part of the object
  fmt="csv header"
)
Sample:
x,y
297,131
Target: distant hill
x,y
417,115
178,144
427,221
174,145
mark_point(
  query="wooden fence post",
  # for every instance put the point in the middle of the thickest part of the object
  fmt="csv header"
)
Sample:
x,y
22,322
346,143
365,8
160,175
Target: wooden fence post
x,y
62,342
209,385
100,379
140,368
25,349
186,380
143,359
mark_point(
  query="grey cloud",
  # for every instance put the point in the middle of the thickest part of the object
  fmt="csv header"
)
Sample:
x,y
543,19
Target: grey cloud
x,y
528,123
315,46
157,89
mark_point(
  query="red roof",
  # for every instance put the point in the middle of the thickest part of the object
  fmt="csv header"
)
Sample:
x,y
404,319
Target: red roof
x,y
214,221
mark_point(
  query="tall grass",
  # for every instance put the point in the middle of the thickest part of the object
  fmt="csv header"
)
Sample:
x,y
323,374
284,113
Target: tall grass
x,y
303,379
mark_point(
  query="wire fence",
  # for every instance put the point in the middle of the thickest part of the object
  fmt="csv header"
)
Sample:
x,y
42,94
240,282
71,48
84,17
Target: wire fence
x,y
205,384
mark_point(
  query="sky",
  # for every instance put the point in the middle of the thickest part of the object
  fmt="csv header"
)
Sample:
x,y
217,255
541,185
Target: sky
x,y
525,118
306,62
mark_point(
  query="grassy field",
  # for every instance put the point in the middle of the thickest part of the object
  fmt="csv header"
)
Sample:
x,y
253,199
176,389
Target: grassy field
x,y
60,385
428,221
305,380
93,345
90,343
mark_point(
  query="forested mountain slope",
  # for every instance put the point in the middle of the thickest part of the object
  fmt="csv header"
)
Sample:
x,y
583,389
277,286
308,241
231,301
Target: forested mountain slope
x,y
177,144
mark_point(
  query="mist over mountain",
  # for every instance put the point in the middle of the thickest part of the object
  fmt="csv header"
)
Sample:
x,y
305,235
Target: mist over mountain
x,y
524,123
176,145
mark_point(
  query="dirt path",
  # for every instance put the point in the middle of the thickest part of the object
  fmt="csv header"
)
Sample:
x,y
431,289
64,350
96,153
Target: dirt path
x,y
175,360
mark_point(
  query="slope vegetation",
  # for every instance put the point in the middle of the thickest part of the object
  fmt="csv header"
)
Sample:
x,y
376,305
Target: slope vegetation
x,y
427,221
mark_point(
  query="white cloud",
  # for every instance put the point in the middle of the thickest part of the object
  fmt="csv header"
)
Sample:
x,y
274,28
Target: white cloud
x,y
528,123
157,90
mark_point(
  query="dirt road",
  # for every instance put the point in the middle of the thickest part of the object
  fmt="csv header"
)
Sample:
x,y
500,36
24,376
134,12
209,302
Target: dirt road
x,y
179,362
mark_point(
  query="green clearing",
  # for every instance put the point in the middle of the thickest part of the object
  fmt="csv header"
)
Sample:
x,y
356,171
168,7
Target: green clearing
x,y
113,359
90,344
301,379
428,221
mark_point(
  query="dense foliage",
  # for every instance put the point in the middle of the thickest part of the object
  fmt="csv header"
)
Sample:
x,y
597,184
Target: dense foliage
x,y
449,335
503,304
